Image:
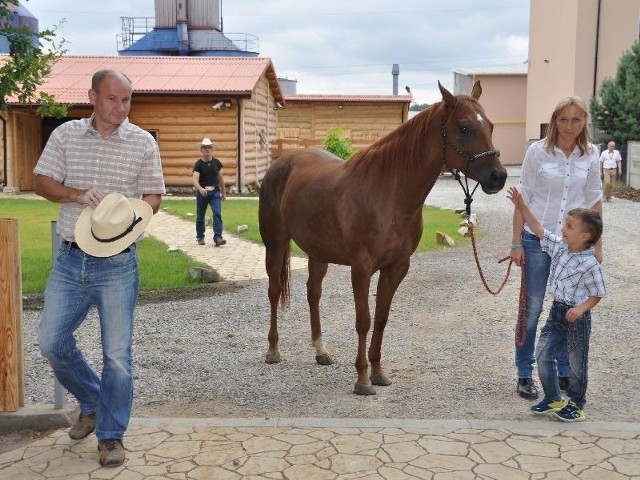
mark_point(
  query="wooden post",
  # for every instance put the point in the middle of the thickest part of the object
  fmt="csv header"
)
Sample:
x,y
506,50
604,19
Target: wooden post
x,y
12,389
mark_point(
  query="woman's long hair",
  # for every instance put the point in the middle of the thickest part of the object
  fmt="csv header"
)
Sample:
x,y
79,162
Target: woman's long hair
x,y
583,139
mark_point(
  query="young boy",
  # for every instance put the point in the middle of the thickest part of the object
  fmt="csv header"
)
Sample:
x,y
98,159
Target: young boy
x,y
577,286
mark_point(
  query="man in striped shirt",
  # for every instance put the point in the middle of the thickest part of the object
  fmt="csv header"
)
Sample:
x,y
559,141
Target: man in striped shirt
x,y
84,161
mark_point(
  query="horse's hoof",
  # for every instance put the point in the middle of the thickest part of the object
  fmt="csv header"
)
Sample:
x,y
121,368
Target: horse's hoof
x,y
359,389
324,359
272,357
380,380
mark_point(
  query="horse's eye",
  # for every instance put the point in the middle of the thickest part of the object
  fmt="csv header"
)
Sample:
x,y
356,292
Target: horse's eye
x,y
463,129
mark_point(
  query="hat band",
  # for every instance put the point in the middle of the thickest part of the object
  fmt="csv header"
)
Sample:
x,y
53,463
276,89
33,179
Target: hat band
x,y
129,229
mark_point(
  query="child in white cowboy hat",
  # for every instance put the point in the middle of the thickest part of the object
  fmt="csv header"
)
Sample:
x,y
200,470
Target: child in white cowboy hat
x,y
209,185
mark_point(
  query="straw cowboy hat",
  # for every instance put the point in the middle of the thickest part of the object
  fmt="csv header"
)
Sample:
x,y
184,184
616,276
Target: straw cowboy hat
x,y
206,142
114,225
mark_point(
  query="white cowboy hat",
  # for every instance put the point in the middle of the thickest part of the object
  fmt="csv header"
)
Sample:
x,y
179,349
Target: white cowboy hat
x,y
206,142
114,225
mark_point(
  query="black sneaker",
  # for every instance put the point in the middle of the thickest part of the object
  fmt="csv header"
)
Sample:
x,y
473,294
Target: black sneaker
x,y
570,413
201,241
548,407
219,241
527,389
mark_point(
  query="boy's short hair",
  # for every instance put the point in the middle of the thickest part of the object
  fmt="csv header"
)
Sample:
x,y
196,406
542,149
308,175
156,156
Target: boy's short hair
x,y
591,223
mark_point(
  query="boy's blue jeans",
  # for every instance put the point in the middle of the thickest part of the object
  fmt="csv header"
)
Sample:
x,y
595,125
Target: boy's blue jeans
x,y
536,271
213,199
557,335
77,282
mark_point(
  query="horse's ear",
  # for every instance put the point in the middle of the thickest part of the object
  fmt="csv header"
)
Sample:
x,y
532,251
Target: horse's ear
x,y
448,98
476,91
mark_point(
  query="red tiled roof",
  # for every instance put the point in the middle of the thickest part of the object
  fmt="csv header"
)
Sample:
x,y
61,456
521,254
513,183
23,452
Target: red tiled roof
x,y
70,77
349,98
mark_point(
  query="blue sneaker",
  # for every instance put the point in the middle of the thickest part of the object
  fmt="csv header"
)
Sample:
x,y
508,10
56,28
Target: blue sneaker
x,y
570,413
548,407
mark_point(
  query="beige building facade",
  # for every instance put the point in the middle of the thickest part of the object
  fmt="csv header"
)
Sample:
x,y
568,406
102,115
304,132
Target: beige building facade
x,y
503,99
573,46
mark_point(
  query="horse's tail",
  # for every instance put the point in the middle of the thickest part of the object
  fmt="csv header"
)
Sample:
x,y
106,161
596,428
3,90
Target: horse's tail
x,y
285,277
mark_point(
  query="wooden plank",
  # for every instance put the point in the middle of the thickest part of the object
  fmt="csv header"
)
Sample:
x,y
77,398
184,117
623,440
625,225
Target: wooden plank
x,y
12,390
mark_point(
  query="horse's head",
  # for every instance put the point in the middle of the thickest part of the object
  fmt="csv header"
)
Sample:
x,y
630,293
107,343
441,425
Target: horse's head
x,y
466,137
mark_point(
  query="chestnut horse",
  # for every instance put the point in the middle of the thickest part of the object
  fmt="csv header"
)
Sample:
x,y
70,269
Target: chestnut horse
x,y
367,213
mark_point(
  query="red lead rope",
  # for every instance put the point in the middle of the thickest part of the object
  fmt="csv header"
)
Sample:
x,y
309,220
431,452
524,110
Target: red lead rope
x,y
521,323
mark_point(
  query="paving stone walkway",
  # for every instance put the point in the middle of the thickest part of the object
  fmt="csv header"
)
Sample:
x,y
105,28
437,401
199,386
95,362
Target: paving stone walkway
x,y
308,449
239,259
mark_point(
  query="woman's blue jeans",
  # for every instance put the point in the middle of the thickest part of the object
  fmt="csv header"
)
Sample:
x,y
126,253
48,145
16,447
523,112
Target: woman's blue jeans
x,y
558,335
536,273
213,199
77,282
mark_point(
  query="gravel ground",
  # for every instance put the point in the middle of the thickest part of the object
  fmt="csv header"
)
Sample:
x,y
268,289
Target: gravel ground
x,y
448,344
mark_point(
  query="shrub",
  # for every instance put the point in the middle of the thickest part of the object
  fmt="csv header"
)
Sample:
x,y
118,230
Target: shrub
x,y
336,143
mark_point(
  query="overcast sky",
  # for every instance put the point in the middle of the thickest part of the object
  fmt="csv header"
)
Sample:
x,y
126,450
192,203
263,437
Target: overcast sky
x,y
333,46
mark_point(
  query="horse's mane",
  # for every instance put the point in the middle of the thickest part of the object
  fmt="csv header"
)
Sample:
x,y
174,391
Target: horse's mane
x,y
400,147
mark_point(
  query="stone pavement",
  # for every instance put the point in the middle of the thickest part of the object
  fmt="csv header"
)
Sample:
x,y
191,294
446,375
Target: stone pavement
x,y
239,259
308,449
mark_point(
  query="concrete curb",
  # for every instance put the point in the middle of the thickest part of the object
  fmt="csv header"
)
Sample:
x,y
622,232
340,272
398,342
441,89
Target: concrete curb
x,y
38,418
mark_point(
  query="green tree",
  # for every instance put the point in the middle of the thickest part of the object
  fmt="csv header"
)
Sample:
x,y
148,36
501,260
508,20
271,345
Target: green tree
x,y
419,107
335,142
618,111
28,64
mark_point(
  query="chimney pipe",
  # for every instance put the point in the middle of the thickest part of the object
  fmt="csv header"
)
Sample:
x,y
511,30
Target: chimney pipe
x,y
395,72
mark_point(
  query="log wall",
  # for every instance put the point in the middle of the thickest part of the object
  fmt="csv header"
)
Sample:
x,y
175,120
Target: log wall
x,y
306,123
259,134
250,134
180,125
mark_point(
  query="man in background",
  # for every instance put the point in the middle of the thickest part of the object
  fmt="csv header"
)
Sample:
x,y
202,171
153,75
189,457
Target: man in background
x,y
610,167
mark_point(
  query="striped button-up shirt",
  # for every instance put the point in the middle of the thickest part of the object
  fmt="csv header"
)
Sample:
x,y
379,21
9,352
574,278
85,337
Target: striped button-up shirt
x,y
574,277
76,155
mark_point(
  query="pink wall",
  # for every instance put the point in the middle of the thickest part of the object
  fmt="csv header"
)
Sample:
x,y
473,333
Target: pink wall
x,y
503,99
565,52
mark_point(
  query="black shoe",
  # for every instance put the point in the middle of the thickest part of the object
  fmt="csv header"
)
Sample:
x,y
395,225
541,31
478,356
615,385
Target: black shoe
x,y
527,389
564,383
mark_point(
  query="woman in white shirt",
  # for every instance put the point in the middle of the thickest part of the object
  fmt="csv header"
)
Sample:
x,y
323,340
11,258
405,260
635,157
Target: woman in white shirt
x,y
559,173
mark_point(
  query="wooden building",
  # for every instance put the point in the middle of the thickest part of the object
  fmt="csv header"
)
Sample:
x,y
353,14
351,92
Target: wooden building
x,y
236,101
179,100
306,119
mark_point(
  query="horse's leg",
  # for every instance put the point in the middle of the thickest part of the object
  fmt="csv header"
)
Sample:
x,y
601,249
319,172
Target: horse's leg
x,y
388,282
360,282
274,264
317,271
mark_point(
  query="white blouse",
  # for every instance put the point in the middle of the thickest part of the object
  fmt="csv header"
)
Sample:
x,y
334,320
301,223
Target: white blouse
x,y
552,184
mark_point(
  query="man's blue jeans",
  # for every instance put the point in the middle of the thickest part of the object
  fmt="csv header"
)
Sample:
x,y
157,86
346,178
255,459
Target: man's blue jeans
x,y
213,199
536,273
559,335
77,282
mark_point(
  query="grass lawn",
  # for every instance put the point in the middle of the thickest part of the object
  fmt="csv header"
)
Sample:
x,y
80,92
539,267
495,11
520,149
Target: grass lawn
x,y
159,269
244,211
